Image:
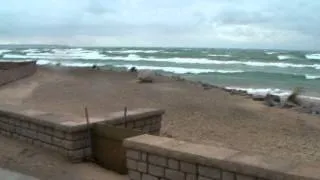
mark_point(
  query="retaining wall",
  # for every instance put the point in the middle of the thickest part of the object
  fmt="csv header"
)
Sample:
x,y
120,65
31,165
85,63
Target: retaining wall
x,y
65,133
159,158
12,71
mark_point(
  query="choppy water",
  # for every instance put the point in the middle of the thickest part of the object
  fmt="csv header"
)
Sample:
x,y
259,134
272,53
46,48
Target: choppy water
x,y
256,70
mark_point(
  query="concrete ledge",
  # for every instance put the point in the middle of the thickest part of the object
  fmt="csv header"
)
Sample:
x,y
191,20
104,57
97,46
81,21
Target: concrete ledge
x,y
226,161
12,71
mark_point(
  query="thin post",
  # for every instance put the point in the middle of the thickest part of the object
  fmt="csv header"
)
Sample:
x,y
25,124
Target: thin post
x,y
125,116
88,127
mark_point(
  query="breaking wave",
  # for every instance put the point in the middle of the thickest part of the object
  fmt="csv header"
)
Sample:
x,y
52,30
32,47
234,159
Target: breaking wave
x,y
180,70
311,77
219,55
284,57
74,54
313,56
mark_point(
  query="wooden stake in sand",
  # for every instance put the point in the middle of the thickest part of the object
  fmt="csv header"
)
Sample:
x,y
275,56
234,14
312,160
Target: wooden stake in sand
x,y
88,128
125,116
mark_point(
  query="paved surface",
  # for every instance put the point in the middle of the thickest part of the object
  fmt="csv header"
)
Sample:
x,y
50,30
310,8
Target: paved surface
x,y
10,175
17,156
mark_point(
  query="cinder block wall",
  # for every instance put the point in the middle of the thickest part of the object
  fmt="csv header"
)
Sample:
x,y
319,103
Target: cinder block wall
x,y
159,158
67,137
11,71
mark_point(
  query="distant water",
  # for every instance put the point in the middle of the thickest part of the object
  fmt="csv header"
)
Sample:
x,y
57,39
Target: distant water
x,y
263,71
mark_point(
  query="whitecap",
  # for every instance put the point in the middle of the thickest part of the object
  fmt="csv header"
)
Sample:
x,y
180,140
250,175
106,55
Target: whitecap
x,y
134,51
2,51
262,91
270,52
71,54
312,77
284,57
179,70
219,55
313,56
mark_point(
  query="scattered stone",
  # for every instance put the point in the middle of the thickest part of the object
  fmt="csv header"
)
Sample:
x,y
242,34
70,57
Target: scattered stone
x,y
258,97
95,67
133,69
206,86
146,76
177,78
272,100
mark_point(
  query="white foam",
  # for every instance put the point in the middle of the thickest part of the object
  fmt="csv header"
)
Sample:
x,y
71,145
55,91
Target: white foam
x,y
30,50
134,51
68,64
180,70
60,54
284,57
219,55
70,54
270,52
311,77
313,56
265,91
4,51
262,91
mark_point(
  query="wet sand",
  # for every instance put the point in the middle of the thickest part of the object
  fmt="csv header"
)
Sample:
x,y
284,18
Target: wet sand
x,y
192,113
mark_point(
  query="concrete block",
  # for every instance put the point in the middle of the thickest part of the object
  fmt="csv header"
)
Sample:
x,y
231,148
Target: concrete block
x,y
210,172
173,164
77,144
148,177
9,127
40,128
18,130
45,138
156,170
76,135
29,133
142,167
174,175
4,119
157,160
228,176
134,175
146,129
139,123
244,177
132,164
58,133
191,177
25,124
57,141
49,130
188,167
144,156
203,178
6,133
33,126
22,138
76,155
132,154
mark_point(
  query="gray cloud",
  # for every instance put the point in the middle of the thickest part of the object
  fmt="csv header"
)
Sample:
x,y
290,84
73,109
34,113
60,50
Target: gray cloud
x,y
241,23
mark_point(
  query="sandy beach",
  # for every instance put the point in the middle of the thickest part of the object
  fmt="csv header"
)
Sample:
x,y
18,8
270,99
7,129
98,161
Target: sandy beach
x,y
192,113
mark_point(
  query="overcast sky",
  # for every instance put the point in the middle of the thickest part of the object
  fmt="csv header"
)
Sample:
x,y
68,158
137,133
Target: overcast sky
x,y
285,24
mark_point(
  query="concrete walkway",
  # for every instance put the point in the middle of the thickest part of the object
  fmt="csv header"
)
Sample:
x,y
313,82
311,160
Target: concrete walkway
x,y
10,175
